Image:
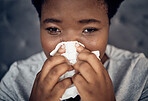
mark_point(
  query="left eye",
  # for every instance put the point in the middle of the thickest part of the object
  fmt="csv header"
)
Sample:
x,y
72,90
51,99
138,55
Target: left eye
x,y
90,30
53,31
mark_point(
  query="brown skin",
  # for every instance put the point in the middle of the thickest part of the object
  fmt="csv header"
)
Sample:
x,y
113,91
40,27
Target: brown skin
x,y
72,24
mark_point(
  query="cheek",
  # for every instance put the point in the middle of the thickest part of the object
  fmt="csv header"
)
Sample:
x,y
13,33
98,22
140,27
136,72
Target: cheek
x,y
97,45
48,43
99,42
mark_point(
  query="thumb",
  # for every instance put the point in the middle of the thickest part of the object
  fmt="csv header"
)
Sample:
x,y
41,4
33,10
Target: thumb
x,y
61,50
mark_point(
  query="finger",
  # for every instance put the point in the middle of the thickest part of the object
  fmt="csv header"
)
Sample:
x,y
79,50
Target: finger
x,y
53,76
60,87
92,60
80,83
35,84
50,63
86,71
36,79
80,48
61,50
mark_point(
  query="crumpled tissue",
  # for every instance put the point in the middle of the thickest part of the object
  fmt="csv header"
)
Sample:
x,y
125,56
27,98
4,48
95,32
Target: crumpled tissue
x,y
71,55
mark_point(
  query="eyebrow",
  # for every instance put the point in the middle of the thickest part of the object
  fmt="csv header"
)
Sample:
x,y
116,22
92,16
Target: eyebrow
x,y
87,21
52,20
83,21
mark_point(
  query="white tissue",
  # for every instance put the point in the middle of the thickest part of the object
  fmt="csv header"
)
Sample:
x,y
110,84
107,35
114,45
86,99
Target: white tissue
x,y
71,55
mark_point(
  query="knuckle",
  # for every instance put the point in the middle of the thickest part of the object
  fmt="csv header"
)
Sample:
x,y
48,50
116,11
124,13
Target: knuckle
x,y
54,71
58,70
61,69
81,55
86,70
53,58
77,79
74,78
83,66
63,59
68,82
49,60
62,85
41,87
90,92
50,96
91,56
48,79
65,67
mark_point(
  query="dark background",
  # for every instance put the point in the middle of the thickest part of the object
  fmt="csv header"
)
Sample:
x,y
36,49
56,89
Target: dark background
x,y
20,34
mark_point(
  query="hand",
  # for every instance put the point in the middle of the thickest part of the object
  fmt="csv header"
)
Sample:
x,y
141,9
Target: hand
x,y
93,81
47,86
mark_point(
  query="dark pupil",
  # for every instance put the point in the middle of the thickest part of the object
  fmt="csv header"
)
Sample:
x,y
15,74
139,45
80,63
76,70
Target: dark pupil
x,y
90,30
53,29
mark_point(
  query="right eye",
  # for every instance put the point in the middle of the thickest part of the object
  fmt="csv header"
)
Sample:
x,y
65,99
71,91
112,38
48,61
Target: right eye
x,y
53,31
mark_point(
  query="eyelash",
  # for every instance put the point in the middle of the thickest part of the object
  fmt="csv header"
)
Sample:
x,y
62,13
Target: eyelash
x,y
90,30
56,31
53,31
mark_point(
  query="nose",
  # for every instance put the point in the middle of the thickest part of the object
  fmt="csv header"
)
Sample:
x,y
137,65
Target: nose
x,y
71,36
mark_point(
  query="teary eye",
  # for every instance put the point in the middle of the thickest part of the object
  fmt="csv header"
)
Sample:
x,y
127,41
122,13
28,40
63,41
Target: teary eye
x,y
53,31
90,30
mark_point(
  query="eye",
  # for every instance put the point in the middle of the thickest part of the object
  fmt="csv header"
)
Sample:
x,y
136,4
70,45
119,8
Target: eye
x,y
53,31
90,30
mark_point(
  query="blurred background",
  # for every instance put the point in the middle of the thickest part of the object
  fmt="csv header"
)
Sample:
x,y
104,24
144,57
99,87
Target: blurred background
x,y
20,34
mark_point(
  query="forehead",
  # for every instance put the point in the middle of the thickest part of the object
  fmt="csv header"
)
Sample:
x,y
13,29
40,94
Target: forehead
x,y
73,7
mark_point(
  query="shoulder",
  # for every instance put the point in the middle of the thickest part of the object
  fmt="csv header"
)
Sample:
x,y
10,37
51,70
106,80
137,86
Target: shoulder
x,y
135,62
118,54
130,70
21,76
121,54
29,65
34,59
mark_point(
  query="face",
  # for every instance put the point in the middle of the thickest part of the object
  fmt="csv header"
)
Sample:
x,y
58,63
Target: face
x,y
85,21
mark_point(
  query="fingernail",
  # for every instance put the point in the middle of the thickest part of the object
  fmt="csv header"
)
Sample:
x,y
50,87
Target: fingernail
x,y
77,45
62,49
63,46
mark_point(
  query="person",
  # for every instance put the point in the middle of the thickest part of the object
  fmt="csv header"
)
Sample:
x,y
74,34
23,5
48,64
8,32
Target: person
x,y
119,75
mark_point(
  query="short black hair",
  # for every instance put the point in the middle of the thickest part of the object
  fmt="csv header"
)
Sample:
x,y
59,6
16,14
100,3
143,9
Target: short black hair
x,y
112,6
